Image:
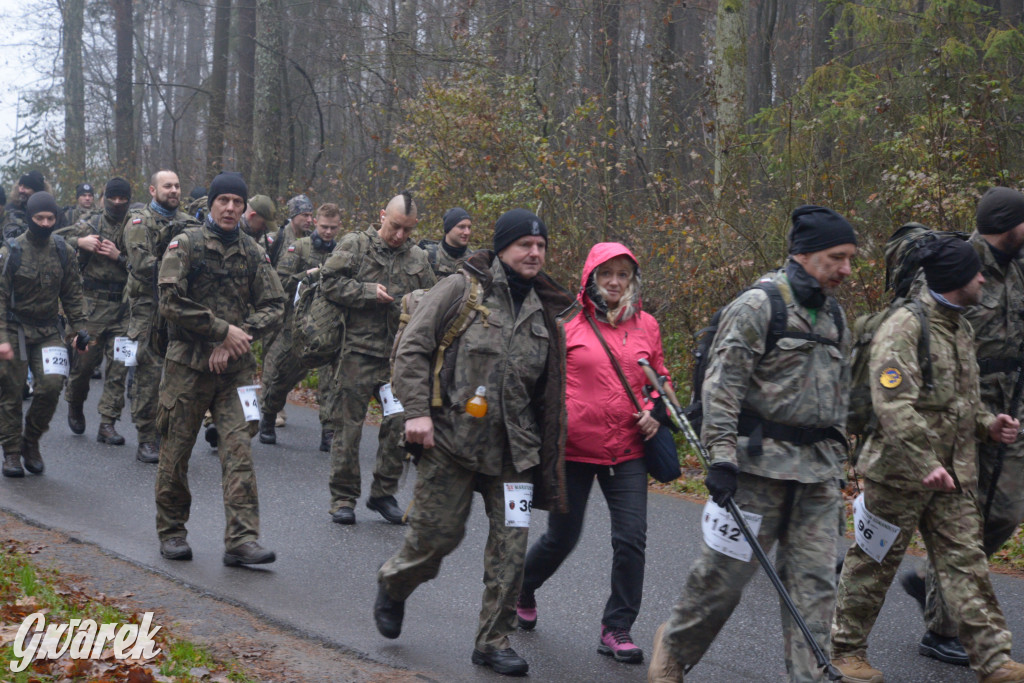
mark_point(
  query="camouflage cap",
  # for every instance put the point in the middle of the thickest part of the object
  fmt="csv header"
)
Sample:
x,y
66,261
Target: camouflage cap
x,y
264,206
300,203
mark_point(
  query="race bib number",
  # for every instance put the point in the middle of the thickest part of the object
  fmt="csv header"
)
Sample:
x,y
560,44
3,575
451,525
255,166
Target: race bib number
x,y
874,535
518,504
723,535
389,405
126,351
250,398
55,360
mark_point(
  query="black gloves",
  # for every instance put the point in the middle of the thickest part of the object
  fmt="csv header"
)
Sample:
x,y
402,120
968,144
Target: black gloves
x,y
82,340
721,482
660,413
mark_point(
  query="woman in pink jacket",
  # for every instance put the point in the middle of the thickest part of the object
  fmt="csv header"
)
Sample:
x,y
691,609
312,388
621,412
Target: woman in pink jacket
x,y
605,441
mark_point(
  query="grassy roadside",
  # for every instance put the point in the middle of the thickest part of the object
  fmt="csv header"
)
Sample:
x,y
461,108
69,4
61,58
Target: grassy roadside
x,y
27,588
1009,559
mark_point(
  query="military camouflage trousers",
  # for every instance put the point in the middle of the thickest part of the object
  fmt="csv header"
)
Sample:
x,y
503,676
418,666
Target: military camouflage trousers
x,y
46,394
103,326
283,372
437,523
357,379
185,396
801,518
950,525
1005,516
145,391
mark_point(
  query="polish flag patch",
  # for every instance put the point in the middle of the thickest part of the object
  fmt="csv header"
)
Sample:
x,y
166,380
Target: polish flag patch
x,y
136,221
291,248
173,245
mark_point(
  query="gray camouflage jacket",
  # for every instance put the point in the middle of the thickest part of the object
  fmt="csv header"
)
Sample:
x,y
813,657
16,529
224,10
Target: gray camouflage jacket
x,y
800,382
521,361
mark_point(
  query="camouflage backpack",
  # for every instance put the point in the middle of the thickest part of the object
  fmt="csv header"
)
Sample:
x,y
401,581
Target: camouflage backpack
x,y
902,267
318,331
460,322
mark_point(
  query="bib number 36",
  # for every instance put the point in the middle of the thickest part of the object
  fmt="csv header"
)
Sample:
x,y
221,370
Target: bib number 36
x,y
518,504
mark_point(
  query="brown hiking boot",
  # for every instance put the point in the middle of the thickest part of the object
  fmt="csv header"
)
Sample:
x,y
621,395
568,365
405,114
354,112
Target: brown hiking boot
x,y
31,455
76,418
147,452
12,464
663,667
855,669
1009,672
108,434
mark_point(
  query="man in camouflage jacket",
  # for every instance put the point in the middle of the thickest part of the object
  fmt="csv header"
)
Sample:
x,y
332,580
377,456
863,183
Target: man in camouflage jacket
x,y
15,222
920,470
32,294
146,236
217,291
303,259
516,350
774,424
998,322
367,274
104,274
446,257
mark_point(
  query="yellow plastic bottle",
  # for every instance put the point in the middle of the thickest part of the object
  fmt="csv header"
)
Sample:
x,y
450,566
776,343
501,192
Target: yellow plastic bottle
x,y
477,406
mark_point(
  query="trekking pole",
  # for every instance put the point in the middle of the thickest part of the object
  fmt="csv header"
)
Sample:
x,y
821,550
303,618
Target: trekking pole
x,y
676,413
997,469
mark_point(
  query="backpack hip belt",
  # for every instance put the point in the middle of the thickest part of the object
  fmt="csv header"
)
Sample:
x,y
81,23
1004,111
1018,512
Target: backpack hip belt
x,y
756,427
990,366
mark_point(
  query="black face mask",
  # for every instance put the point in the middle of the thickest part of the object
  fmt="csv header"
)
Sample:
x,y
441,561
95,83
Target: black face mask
x,y
38,232
806,289
115,211
319,244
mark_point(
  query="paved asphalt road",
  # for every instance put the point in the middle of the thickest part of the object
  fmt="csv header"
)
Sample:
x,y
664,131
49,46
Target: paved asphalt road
x,y
323,581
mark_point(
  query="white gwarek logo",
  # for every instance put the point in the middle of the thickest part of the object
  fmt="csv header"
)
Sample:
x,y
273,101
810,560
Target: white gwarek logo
x,y
82,639
534,228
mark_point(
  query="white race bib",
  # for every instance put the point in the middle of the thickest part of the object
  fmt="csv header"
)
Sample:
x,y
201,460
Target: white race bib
x,y
722,534
126,351
250,398
55,360
874,535
389,404
518,504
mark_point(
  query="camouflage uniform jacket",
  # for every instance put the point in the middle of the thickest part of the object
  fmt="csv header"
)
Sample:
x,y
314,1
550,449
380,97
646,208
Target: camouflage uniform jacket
x,y
521,361
35,293
919,430
99,274
800,382
442,263
74,213
14,223
998,323
281,240
145,239
350,277
264,239
232,285
295,261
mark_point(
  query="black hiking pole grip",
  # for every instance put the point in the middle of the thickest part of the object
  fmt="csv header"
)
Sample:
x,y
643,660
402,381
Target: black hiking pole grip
x,y
997,469
676,413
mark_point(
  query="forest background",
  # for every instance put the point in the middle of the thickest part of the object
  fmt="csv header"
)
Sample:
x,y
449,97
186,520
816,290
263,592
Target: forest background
x,y
688,130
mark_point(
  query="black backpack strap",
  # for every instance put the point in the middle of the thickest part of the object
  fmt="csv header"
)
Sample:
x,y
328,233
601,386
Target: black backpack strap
x,y
924,345
778,322
62,251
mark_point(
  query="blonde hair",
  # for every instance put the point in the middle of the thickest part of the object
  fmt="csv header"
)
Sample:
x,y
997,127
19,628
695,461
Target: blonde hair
x,y
627,302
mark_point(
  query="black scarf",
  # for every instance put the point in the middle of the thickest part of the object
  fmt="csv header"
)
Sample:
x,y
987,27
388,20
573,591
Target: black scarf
x,y
454,252
518,286
319,244
806,289
226,237
1002,258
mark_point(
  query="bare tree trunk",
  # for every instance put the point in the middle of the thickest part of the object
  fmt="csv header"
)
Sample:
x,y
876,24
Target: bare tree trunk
x,y
246,56
124,111
824,21
218,88
762,14
267,141
606,40
74,87
730,84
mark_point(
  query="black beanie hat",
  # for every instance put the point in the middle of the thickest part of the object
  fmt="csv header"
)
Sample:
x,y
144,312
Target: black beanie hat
x,y
33,180
228,182
949,264
41,201
453,217
197,192
514,224
118,187
1000,210
816,228
83,188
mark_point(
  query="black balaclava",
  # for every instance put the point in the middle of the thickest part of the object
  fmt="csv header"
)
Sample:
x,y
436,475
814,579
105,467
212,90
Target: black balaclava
x,y
806,288
116,187
37,203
